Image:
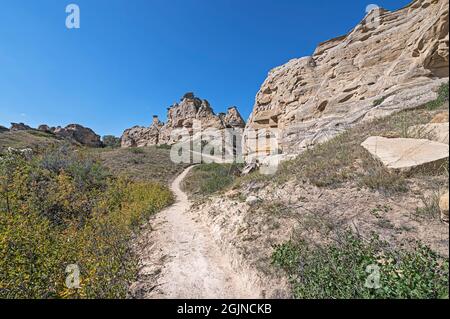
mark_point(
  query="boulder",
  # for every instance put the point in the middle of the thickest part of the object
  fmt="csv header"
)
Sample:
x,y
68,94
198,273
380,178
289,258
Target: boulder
x,y
19,127
438,132
83,135
3,129
405,153
391,61
443,205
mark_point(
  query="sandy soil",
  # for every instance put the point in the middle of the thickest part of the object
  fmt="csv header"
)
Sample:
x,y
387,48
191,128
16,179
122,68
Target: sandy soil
x,y
179,259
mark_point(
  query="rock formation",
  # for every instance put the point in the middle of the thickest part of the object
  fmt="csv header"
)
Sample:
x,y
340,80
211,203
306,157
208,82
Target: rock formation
x,y
73,132
138,136
182,115
389,62
3,129
19,127
80,134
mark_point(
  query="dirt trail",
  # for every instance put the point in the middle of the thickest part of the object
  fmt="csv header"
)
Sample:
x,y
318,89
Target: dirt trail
x,y
179,259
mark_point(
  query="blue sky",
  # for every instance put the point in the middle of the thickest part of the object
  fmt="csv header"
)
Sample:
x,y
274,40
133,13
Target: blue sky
x,y
134,58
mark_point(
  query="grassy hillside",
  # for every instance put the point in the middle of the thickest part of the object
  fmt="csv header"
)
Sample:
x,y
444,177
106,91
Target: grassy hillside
x,y
147,163
34,139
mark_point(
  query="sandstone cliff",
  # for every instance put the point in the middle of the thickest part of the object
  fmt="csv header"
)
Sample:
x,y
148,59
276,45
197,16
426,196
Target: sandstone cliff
x,y
389,62
182,116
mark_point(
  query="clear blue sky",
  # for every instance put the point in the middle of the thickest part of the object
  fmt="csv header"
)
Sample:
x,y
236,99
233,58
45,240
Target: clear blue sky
x,y
134,58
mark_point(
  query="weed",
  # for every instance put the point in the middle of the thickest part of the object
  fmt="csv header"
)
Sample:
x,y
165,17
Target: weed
x,y
342,269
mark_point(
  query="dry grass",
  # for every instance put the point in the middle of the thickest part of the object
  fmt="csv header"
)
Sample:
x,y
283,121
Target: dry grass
x,y
206,179
144,164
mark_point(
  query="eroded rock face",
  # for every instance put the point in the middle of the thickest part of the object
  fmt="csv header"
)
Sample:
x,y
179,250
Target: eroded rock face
x,y
389,62
182,115
139,136
80,134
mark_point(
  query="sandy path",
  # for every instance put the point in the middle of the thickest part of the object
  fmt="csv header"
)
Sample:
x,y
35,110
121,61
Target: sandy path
x,y
179,259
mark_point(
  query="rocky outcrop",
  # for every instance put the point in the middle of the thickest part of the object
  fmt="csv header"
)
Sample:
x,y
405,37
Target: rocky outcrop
x,y
406,153
3,129
233,119
389,62
19,127
183,115
80,134
142,136
45,128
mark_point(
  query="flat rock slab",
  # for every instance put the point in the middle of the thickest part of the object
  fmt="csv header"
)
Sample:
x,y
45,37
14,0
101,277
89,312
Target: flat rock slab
x,y
437,132
405,153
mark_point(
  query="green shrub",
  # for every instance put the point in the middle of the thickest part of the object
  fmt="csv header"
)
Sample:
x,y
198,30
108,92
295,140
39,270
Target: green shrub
x,y
342,269
63,208
206,179
136,150
111,141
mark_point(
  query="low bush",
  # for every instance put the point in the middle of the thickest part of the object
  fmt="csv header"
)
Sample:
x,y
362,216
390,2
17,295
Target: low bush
x,y
442,97
63,208
353,268
206,179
